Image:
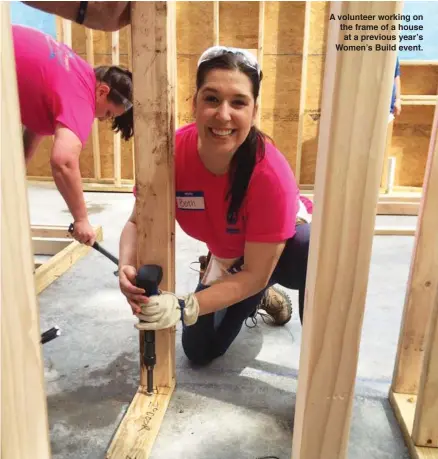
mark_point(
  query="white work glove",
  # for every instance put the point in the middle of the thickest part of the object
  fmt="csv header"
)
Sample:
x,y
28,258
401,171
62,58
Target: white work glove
x,y
166,309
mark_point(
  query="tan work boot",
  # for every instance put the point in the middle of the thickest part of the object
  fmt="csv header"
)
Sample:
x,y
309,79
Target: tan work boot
x,y
277,306
203,263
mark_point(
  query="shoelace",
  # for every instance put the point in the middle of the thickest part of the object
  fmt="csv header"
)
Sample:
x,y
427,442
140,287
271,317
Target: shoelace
x,y
264,315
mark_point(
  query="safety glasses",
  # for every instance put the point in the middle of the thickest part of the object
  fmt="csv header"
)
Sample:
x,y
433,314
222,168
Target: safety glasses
x,y
127,104
215,51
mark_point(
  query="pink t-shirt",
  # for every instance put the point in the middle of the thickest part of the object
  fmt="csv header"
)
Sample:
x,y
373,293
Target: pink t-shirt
x,y
268,212
54,84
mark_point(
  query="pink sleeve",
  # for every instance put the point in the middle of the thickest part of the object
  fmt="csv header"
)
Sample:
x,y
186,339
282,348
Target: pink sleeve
x,y
272,206
76,114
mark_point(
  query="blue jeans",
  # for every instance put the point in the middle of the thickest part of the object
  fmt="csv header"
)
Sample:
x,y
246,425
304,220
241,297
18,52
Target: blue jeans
x,y
213,333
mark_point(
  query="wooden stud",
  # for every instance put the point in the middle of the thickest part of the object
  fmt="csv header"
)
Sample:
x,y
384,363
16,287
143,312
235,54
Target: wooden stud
x,y
384,181
303,89
89,36
397,208
391,174
140,425
216,22
425,429
24,428
154,61
61,262
117,137
419,100
102,185
404,410
388,204
260,42
49,246
66,32
154,43
356,95
393,231
422,283
47,231
58,25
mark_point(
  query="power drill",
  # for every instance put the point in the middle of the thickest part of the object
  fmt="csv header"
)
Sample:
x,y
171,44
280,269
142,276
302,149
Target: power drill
x,y
149,278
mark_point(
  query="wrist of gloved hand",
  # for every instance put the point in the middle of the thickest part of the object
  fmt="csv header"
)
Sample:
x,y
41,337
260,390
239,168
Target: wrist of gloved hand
x,y
190,309
165,310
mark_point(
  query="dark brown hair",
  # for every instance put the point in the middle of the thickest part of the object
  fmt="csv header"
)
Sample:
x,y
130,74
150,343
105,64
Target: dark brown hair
x,y
253,148
120,82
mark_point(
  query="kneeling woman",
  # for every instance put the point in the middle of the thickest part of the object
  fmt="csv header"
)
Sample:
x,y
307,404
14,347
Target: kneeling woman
x,y
236,192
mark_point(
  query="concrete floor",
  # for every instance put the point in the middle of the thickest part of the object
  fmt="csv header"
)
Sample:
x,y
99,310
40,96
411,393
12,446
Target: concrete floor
x,y
239,407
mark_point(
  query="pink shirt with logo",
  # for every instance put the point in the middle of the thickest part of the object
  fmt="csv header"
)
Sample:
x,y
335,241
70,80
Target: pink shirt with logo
x,y
55,85
268,213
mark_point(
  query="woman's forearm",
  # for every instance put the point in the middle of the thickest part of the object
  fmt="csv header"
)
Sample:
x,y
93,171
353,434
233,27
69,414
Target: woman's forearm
x,y
128,245
228,291
67,178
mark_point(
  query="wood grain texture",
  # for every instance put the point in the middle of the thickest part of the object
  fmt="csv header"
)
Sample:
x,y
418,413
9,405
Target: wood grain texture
x,y
154,59
425,429
136,434
422,283
356,93
61,262
404,411
24,425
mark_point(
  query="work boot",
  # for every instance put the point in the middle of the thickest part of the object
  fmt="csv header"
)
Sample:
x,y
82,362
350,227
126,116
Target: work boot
x,y
203,263
277,306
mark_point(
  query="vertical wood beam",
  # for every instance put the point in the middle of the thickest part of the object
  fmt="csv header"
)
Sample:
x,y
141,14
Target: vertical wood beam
x,y
425,429
115,52
58,25
66,32
216,22
384,181
89,46
24,427
303,91
356,95
154,65
422,284
260,41
129,47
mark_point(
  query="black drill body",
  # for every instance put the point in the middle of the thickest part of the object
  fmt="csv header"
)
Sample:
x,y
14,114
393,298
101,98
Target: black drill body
x,y
149,278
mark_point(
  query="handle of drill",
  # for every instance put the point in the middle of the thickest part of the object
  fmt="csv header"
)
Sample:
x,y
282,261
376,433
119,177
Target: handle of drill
x,y
149,278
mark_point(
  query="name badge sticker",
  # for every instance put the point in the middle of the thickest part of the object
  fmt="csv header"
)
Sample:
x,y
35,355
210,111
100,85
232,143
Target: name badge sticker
x,y
190,200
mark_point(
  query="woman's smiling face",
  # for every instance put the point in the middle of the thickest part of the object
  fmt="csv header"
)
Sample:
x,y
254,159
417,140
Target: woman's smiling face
x,y
225,111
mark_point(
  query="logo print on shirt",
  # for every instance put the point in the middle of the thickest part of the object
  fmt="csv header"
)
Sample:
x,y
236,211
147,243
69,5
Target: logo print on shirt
x,y
60,52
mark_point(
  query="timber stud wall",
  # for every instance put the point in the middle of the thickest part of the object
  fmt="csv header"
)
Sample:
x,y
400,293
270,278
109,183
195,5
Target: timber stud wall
x,y
290,41
352,139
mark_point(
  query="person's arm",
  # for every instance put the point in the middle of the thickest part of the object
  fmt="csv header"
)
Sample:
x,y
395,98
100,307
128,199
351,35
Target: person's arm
x,y
30,143
64,162
106,16
127,263
260,261
166,310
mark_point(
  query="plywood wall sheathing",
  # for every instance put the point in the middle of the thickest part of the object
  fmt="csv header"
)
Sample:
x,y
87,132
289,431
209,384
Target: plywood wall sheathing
x,y
419,78
410,143
282,66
